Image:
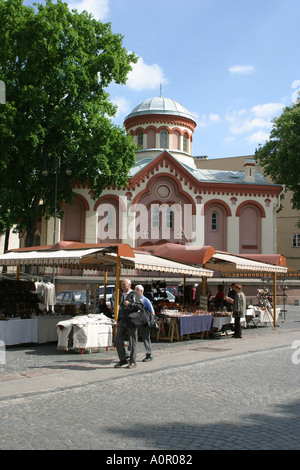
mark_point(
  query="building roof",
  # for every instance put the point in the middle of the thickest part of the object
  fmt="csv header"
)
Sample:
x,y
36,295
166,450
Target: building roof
x,y
204,175
161,105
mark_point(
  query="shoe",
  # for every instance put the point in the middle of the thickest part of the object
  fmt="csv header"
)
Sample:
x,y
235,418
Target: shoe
x,y
148,358
121,363
131,365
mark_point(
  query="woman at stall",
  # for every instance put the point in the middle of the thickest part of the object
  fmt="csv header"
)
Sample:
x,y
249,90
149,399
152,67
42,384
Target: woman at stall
x,y
103,308
220,298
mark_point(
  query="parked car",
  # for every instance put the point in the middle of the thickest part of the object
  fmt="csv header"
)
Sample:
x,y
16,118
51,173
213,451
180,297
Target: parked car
x,y
69,297
109,291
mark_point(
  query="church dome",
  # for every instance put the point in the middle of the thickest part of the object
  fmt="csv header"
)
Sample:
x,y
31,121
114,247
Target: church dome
x,y
160,105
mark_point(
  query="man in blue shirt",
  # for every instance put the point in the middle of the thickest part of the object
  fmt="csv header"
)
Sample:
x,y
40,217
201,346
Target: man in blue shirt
x,y
144,331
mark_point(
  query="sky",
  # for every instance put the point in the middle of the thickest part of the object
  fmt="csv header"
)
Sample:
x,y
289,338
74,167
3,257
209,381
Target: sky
x,y
232,63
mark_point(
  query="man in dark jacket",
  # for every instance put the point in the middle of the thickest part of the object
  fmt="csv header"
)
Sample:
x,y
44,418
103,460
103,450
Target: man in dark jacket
x,y
129,302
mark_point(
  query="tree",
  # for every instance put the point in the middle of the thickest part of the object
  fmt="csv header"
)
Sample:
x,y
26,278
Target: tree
x,y
56,65
280,156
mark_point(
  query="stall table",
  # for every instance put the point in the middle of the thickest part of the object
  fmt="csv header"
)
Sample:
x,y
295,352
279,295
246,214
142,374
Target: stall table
x,y
175,325
221,322
256,315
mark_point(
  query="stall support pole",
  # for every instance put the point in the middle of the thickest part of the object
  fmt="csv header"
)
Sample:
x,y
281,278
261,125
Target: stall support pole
x,y
105,282
204,285
184,284
274,300
118,267
18,272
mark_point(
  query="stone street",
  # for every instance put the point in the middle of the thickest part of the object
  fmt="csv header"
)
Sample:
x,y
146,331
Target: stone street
x,y
209,394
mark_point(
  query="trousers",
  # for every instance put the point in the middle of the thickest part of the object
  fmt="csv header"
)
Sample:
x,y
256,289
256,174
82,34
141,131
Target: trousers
x,y
144,332
121,336
237,327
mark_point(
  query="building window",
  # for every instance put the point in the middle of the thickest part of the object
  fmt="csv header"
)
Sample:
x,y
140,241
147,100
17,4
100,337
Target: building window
x,y
109,218
155,216
140,138
170,218
185,143
163,139
214,221
296,240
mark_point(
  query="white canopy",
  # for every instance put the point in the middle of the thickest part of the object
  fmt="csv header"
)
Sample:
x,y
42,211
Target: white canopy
x,y
149,262
99,258
229,263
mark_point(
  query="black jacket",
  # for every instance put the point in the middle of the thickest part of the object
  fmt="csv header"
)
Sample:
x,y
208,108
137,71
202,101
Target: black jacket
x,y
135,304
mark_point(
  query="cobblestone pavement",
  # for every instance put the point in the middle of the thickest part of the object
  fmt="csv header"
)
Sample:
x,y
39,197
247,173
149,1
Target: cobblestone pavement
x,y
237,401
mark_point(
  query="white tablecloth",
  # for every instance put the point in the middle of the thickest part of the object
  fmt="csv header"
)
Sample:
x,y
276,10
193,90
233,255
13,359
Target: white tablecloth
x,y
219,322
89,332
19,331
262,315
31,330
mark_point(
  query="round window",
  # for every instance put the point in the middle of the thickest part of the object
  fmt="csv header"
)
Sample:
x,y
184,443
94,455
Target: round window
x,y
163,191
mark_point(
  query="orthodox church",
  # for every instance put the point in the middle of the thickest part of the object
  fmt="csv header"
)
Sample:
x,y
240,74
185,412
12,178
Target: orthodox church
x,y
170,198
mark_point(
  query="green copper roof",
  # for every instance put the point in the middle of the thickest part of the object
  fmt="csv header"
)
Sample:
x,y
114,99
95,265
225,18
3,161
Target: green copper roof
x,y
160,105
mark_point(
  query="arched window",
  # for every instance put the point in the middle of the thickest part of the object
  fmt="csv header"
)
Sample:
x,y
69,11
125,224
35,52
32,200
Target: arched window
x,y
170,218
155,216
151,139
140,138
176,140
163,139
185,143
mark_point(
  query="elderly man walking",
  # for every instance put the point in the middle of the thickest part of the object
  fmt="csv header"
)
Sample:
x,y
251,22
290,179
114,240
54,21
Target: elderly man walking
x,y
130,302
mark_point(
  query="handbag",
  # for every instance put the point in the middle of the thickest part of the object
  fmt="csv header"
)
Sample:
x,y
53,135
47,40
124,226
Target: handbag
x,y
154,322
136,319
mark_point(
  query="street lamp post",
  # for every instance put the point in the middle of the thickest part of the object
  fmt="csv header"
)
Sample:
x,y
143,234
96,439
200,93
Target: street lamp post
x,y
45,173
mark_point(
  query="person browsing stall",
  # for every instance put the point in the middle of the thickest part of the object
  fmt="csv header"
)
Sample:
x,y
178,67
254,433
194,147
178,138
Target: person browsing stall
x,y
239,309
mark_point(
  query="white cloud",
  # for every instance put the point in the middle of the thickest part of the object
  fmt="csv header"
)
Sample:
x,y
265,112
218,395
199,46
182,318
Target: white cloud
x,y
123,104
252,125
259,137
144,76
98,8
268,110
203,120
242,69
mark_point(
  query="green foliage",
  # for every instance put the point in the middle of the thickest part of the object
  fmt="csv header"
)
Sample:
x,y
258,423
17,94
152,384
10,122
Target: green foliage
x,y
280,156
56,65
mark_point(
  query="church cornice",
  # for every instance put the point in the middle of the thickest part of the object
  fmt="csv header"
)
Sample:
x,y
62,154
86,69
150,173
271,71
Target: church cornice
x,y
167,119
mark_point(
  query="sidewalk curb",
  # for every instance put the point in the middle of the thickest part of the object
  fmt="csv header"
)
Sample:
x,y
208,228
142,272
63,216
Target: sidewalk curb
x,y
73,375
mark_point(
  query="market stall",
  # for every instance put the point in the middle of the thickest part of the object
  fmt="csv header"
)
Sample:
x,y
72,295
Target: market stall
x,y
102,257
223,262
174,324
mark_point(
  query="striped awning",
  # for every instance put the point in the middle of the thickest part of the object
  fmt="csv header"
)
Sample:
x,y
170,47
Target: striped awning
x,y
230,263
98,258
147,262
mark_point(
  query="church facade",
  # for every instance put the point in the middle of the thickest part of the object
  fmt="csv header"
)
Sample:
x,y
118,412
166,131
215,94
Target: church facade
x,y
168,198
